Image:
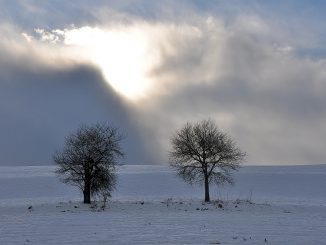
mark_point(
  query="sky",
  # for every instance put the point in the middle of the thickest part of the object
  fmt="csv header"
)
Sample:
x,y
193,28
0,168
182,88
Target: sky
x,y
258,68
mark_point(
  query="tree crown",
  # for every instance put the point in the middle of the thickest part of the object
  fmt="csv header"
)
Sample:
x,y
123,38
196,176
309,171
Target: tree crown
x,y
89,157
202,150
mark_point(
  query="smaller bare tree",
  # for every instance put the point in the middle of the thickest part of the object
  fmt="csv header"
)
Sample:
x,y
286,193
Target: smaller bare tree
x,y
201,153
89,158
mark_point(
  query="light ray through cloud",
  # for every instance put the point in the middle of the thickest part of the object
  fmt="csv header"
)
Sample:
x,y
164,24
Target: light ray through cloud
x,y
125,55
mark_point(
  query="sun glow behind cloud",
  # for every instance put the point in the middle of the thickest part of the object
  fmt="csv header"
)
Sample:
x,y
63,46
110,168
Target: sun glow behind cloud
x,y
130,56
124,56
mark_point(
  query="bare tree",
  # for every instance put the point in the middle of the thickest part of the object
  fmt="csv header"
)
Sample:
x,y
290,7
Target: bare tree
x,y
89,158
201,153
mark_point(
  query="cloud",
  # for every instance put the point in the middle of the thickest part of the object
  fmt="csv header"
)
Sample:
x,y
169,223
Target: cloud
x,y
46,94
244,70
271,101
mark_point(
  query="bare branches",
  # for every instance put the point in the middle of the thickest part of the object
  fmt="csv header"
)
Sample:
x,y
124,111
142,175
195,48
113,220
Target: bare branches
x,y
201,151
89,158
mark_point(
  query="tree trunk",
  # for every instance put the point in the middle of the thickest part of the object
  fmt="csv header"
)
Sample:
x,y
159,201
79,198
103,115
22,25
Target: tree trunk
x,y
87,193
207,198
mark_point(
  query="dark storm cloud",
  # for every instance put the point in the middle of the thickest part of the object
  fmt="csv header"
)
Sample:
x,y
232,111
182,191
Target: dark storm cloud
x,y
40,106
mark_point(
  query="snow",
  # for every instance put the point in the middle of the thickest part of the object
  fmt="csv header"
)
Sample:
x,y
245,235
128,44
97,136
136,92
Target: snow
x,y
152,206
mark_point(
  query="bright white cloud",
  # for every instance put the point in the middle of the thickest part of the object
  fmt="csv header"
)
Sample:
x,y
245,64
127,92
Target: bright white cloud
x,y
128,55
124,55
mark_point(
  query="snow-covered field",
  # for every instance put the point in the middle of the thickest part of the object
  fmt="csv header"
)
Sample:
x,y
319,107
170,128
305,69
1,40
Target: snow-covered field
x,y
152,206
